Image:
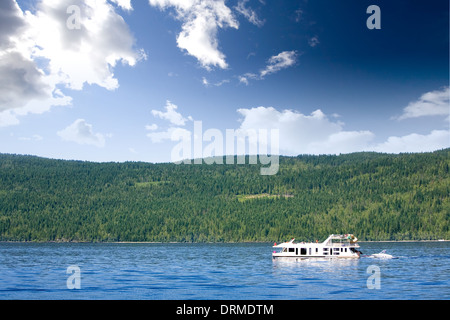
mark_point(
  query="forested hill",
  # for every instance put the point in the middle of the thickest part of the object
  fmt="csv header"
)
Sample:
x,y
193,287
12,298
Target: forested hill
x,y
375,196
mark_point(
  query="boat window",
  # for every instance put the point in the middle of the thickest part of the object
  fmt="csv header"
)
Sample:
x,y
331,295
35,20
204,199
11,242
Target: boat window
x,y
291,250
317,250
303,251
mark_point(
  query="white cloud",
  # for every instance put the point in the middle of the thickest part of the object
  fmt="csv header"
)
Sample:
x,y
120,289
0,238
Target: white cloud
x,y
281,61
221,82
275,63
11,21
249,13
318,133
171,115
176,122
248,76
24,88
314,41
81,132
124,4
315,133
206,82
342,142
20,81
39,53
243,79
436,140
434,103
84,55
201,21
305,134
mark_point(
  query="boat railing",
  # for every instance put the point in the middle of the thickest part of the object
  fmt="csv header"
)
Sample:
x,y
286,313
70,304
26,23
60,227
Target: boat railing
x,y
342,244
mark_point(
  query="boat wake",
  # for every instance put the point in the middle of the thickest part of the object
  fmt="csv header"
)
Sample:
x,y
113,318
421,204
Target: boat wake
x,y
381,255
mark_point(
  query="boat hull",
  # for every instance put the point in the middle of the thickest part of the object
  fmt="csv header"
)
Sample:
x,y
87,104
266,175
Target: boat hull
x,y
277,256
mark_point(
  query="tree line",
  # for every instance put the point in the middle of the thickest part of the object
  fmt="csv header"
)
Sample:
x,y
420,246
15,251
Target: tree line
x,y
374,196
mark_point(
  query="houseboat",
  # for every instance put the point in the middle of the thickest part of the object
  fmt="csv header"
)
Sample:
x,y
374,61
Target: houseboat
x,y
335,246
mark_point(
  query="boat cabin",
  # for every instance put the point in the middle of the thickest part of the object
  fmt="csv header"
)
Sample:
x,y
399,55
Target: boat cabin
x,y
335,246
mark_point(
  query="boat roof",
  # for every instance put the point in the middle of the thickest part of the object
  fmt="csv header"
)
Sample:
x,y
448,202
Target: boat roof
x,y
342,237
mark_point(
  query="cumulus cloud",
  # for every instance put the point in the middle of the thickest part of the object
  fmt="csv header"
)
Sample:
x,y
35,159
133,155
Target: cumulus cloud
x,y
171,115
82,133
176,122
314,133
87,53
304,134
62,43
11,22
317,133
24,86
20,81
201,20
124,4
434,103
436,140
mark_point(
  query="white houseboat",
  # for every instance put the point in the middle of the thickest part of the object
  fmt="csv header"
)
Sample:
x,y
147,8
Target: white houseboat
x,y
335,246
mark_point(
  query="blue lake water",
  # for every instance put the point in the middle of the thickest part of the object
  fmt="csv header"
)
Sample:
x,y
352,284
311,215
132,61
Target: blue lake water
x,y
218,272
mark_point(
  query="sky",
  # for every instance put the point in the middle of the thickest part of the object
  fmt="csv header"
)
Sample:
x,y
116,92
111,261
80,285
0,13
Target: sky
x,y
128,80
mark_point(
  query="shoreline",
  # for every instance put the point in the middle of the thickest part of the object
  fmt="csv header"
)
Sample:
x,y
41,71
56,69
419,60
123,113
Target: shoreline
x,y
244,242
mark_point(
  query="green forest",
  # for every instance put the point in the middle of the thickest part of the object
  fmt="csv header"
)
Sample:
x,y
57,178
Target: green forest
x,y
374,196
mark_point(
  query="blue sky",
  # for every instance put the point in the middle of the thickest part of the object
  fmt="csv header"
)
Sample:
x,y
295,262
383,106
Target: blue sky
x,y
112,81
